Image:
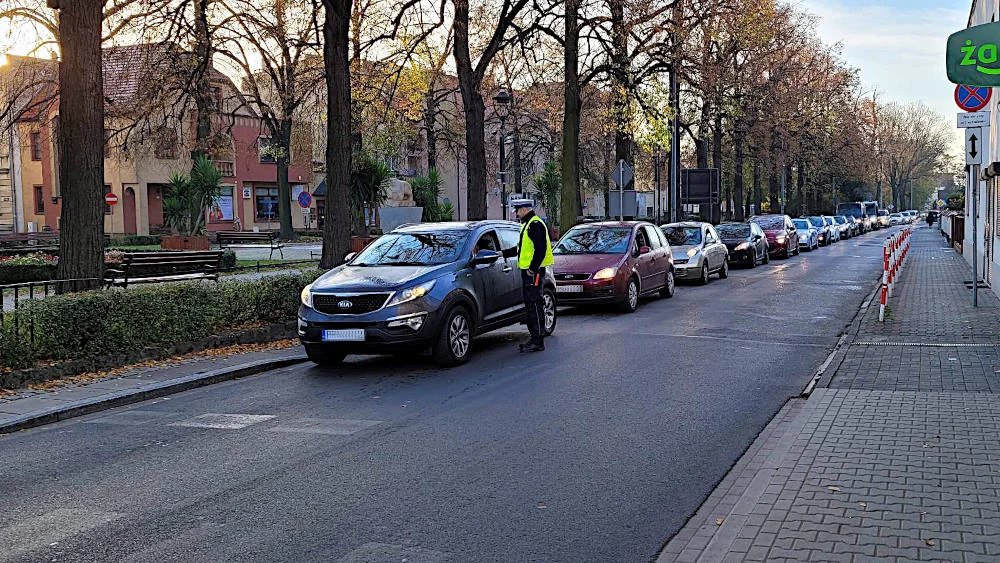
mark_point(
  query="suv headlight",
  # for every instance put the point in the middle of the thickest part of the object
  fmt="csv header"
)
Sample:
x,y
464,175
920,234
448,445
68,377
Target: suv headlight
x,y
410,294
606,274
692,252
743,245
307,296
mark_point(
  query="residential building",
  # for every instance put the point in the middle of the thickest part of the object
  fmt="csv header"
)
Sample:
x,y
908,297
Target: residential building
x,y
150,131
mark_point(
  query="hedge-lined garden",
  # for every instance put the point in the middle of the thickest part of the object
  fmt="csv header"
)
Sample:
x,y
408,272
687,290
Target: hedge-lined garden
x,y
116,322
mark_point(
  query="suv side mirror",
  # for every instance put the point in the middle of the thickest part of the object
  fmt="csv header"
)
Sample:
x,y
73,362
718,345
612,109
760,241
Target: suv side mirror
x,y
485,258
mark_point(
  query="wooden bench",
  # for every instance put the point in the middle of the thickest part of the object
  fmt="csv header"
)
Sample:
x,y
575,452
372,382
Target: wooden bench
x,y
158,267
241,239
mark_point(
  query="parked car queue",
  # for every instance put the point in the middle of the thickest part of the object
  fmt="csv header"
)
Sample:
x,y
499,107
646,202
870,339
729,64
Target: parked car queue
x,y
436,286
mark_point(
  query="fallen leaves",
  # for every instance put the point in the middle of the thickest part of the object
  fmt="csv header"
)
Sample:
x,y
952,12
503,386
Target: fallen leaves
x,y
833,489
719,521
210,355
930,542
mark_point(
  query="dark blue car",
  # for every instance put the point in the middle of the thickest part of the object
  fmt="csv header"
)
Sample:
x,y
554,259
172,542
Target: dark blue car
x,y
428,286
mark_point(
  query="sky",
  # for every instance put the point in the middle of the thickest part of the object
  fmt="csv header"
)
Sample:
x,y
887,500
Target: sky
x,y
898,45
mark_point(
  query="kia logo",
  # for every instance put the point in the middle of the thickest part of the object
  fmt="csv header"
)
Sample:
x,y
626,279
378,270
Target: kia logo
x,y
345,304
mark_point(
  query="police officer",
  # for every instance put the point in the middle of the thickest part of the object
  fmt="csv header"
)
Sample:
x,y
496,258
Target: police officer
x,y
533,257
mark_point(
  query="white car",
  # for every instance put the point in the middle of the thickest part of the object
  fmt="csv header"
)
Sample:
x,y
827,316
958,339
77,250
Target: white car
x,y
897,219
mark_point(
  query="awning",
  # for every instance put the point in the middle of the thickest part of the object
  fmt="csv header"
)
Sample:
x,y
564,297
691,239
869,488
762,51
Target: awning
x,y
320,189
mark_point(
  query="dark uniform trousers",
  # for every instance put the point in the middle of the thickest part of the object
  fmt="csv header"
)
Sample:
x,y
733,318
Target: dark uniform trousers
x,y
534,307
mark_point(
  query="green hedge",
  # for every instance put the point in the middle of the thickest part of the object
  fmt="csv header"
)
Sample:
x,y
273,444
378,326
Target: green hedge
x,y
21,273
112,323
134,240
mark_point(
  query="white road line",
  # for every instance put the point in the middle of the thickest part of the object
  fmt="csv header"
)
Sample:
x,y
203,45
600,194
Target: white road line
x,y
223,421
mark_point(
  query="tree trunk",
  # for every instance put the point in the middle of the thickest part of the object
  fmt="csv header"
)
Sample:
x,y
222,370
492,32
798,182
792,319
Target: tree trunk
x,y
81,142
475,111
741,204
202,93
717,161
337,229
800,184
621,84
286,232
430,118
758,198
569,201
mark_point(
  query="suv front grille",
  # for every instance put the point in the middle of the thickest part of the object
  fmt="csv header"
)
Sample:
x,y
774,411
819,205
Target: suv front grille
x,y
354,304
572,277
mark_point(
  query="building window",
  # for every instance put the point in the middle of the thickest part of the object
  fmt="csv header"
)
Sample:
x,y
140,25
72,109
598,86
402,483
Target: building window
x,y
263,147
39,201
36,146
166,143
266,203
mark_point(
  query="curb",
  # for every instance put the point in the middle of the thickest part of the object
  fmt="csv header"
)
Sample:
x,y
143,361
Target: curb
x,y
152,391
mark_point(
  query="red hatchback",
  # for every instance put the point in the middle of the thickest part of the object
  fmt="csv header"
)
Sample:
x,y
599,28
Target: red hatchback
x,y
613,262
782,238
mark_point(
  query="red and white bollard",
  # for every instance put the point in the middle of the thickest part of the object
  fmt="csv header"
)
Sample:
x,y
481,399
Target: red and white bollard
x,y
885,282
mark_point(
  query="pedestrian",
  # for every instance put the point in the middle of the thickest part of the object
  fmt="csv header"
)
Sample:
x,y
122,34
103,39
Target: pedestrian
x,y
534,255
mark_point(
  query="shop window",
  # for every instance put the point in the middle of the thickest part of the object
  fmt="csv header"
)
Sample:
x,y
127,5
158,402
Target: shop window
x,y
266,204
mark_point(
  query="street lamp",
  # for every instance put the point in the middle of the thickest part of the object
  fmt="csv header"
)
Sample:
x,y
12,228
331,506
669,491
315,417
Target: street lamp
x,y
502,103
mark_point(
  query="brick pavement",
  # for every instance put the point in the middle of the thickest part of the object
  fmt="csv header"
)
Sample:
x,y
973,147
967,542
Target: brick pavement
x,y
894,458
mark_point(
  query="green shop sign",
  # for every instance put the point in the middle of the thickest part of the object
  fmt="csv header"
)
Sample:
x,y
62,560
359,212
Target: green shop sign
x,y
973,56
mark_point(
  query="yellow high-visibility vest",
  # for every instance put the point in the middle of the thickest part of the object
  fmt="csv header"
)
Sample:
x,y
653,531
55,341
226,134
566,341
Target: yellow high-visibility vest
x,y
527,248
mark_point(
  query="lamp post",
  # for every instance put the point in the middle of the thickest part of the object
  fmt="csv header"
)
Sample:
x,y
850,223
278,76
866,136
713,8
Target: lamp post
x,y
502,104
657,164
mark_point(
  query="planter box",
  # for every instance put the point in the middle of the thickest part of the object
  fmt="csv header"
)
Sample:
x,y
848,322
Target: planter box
x,y
359,243
184,243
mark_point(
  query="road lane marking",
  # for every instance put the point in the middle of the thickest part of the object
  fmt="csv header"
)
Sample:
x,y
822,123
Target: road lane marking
x,y
223,421
31,534
130,418
331,426
385,553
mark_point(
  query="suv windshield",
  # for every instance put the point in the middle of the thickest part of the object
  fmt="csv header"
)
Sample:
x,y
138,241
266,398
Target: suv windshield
x,y
412,249
771,223
801,224
594,240
883,213
681,236
733,230
841,220
816,221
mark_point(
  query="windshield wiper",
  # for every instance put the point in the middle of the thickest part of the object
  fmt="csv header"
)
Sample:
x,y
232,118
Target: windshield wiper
x,y
401,264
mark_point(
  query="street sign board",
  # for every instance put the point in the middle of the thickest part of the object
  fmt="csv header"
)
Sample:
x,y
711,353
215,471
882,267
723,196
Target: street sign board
x,y
972,98
974,145
305,199
940,203
974,119
623,174
973,57
622,204
111,199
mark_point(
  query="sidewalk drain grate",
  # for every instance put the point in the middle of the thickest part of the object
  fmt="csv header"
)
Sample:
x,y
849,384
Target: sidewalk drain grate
x,y
931,344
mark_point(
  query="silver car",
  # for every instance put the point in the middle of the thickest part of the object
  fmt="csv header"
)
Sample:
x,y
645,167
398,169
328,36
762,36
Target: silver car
x,y
831,223
698,251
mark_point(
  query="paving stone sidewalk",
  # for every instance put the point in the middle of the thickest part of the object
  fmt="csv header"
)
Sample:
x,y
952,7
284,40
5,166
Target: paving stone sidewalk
x,y
94,389
896,457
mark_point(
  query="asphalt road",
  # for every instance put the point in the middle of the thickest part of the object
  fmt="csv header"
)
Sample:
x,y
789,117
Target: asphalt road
x,y
596,450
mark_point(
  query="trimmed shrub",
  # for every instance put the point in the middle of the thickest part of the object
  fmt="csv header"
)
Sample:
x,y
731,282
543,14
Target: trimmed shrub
x,y
228,259
27,268
114,322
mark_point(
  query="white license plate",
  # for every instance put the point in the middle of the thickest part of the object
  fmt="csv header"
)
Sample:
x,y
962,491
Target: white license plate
x,y
344,335
569,289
